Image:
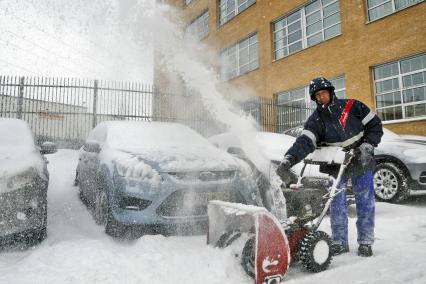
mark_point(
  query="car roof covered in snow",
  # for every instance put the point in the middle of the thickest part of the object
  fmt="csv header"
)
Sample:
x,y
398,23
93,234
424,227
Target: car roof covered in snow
x,y
15,133
141,134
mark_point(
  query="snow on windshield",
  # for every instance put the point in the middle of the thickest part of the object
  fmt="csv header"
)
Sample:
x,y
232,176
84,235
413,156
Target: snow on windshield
x,y
143,135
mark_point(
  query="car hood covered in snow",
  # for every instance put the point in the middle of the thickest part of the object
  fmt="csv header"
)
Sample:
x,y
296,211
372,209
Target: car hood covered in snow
x,y
164,147
174,159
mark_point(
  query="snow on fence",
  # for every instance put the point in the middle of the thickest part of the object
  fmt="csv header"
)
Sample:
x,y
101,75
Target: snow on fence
x,y
64,110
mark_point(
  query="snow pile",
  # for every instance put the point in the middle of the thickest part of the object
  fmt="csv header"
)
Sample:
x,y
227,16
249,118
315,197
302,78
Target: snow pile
x,y
78,251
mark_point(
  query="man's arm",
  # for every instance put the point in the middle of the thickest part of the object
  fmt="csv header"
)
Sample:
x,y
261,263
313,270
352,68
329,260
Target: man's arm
x,y
373,129
307,141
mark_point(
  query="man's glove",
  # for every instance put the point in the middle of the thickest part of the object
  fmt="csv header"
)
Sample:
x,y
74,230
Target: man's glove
x,y
366,154
283,170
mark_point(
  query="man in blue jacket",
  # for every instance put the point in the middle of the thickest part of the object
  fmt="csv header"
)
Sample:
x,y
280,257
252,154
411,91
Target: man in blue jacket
x,y
349,124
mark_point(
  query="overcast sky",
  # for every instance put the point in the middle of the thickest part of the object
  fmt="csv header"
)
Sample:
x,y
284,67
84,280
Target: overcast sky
x,y
84,39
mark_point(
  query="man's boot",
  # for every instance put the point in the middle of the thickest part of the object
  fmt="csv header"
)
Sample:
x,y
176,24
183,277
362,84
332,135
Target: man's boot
x,y
337,249
365,250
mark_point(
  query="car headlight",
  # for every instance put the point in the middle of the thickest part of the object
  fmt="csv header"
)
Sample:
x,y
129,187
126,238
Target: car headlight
x,y
19,180
137,169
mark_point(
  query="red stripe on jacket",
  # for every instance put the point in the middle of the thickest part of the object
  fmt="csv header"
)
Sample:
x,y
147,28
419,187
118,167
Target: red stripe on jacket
x,y
345,113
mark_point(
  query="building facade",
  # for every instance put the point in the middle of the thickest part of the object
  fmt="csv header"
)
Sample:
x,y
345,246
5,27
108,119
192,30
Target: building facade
x,y
373,50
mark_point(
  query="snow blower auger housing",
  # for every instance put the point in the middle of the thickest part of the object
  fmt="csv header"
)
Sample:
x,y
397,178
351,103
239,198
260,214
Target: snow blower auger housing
x,y
273,242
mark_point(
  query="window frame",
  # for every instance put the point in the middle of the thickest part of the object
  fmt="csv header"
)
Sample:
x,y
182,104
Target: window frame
x,y
303,15
223,20
237,48
394,9
194,22
400,89
309,105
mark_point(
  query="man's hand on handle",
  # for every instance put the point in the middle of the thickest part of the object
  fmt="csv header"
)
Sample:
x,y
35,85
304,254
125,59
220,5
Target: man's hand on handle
x,y
366,153
283,170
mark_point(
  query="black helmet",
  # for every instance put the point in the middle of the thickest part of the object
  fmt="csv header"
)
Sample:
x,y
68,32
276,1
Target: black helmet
x,y
318,84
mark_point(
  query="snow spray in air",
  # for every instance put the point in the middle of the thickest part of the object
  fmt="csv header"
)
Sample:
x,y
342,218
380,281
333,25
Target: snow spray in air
x,y
188,59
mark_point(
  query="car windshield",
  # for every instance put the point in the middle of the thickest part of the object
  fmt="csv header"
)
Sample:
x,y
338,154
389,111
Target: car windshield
x,y
152,135
15,133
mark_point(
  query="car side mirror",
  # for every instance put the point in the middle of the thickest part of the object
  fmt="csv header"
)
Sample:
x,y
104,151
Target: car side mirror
x,y
238,152
92,147
48,148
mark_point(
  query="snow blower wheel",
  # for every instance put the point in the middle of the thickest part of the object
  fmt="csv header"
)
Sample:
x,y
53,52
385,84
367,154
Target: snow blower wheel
x,y
228,238
248,257
314,251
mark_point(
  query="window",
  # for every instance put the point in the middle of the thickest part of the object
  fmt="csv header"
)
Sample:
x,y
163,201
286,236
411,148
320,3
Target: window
x,y
313,23
295,106
400,88
380,8
240,58
230,8
200,26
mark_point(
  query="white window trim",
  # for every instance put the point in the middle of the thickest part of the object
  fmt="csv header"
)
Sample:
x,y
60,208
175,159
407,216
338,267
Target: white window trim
x,y
198,18
394,10
400,90
304,39
236,12
237,55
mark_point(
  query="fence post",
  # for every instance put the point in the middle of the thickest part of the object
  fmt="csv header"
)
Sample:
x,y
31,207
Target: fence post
x,y
20,97
95,102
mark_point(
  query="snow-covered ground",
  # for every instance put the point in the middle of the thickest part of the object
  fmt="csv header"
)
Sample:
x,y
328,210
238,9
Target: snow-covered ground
x,y
78,251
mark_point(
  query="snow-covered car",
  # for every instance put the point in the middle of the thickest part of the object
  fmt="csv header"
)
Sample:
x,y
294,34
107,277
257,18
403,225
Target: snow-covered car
x,y
138,176
401,165
24,181
267,146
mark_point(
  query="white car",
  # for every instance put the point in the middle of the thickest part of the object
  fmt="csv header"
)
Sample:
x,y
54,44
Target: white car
x,y
401,165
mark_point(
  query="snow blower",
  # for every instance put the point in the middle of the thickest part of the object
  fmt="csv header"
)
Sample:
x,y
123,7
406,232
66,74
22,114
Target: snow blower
x,y
272,240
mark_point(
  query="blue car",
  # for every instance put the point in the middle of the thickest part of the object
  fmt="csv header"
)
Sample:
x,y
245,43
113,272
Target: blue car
x,y
145,177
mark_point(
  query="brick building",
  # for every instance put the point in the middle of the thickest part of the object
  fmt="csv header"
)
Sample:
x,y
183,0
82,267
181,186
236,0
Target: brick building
x,y
373,50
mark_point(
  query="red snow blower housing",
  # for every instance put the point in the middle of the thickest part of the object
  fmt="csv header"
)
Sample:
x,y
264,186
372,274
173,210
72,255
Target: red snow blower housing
x,y
273,242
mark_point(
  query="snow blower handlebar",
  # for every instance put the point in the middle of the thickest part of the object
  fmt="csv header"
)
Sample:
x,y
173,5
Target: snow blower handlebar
x,y
333,189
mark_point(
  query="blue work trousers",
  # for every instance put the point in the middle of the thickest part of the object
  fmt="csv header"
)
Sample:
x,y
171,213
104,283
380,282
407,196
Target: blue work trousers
x,y
363,189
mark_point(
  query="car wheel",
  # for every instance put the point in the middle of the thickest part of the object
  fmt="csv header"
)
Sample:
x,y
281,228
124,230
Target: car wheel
x,y
100,210
76,179
114,228
36,236
390,183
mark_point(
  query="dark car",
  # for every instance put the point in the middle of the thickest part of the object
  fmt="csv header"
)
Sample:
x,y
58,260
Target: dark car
x,y
401,165
23,185
144,176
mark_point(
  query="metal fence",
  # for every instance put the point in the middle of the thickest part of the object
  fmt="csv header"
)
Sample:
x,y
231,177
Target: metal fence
x,y
64,110
275,117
